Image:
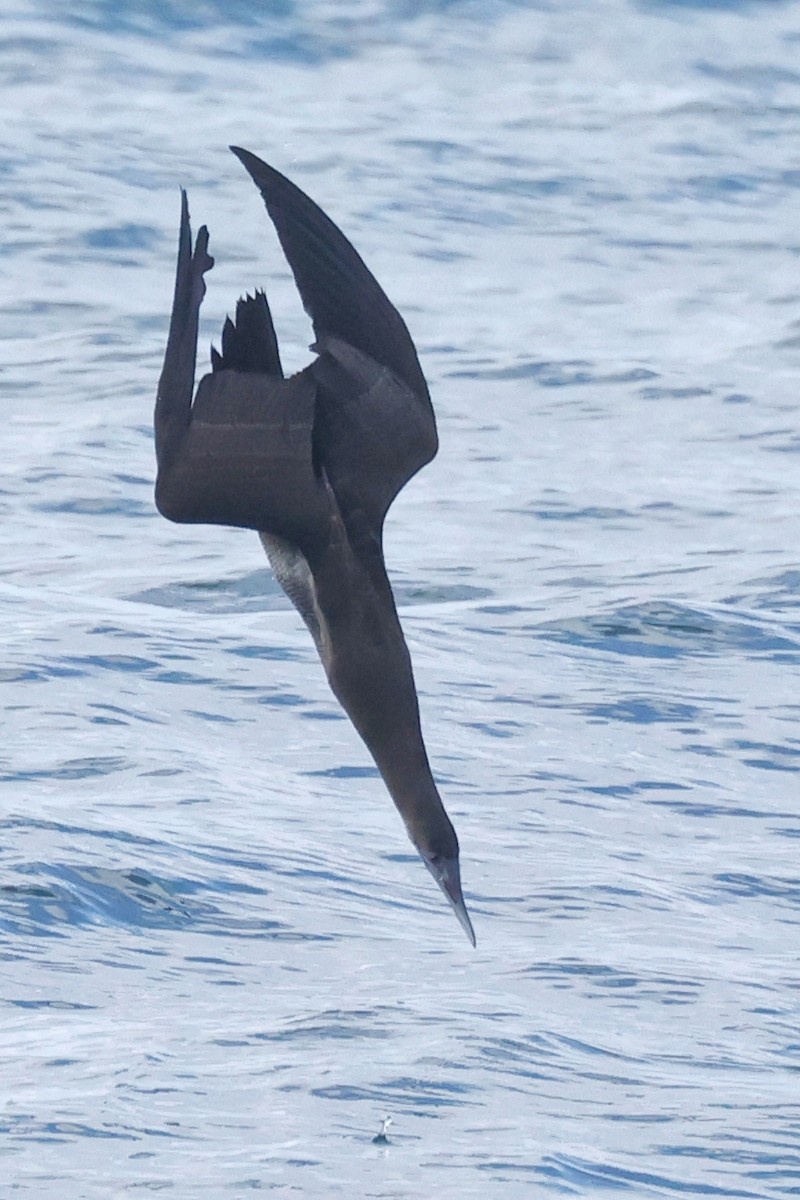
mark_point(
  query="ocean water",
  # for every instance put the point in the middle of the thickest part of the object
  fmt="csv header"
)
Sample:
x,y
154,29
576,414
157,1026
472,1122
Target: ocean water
x,y
221,964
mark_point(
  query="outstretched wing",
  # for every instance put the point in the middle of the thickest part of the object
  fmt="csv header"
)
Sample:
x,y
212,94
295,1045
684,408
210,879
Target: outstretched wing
x,y
375,422
242,453
176,385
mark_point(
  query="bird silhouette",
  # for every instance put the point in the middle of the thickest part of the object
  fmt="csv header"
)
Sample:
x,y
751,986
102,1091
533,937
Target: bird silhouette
x,y
312,463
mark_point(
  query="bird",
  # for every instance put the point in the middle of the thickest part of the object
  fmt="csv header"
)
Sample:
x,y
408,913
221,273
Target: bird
x,y
312,463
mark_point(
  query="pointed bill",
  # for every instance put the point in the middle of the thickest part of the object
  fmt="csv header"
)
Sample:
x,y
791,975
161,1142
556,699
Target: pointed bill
x,y
447,874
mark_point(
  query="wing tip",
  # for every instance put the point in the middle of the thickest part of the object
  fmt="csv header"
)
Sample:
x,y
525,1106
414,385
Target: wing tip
x,y
338,290
269,181
249,161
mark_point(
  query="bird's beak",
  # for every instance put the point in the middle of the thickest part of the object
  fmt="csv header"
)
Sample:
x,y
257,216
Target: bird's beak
x,y
448,876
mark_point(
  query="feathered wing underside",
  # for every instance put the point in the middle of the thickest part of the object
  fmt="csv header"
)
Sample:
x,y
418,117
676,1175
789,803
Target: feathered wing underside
x,y
369,426
241,453
246,459
277,455
376,426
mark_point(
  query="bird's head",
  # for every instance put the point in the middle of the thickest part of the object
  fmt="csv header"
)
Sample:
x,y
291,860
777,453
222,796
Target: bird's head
x,y
445,870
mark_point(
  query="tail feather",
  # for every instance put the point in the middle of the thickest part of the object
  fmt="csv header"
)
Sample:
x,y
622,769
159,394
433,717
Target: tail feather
x,y
249,343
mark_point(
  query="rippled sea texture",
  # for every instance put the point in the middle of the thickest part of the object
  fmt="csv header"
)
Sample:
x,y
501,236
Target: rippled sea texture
x,y
221,963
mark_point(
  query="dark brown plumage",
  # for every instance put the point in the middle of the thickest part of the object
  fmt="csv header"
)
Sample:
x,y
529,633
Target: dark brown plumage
x,y
312,463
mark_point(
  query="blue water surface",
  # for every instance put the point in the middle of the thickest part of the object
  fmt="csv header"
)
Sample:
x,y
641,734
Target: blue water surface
x,y
222,964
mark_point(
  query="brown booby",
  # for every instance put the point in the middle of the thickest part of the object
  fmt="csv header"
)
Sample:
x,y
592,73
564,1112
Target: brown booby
x,y
312,463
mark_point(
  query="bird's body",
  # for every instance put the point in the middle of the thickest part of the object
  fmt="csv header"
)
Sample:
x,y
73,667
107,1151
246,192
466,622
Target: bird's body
x,y
312,463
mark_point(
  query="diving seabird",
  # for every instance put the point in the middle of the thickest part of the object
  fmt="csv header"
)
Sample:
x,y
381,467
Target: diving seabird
x,y
312,463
